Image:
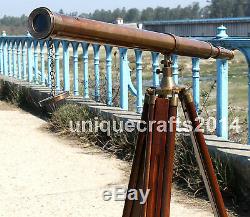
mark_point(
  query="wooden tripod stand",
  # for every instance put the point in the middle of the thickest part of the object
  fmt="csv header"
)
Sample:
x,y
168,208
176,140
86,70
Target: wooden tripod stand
x,y
154,156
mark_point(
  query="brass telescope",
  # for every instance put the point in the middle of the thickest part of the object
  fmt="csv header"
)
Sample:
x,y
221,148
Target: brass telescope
x,y
154,155
43,24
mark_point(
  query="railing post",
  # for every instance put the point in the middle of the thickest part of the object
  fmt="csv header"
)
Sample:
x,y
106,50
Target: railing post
x,y
85,57
24,60
124,78
57,65
14,59
222,98
30,61
196,81
175,68
246,51
1,56
155,66
42,62
248,116
138,54
19,65
66,65
35,43
75,66
5,58
96,48
9,59
222,92
109,74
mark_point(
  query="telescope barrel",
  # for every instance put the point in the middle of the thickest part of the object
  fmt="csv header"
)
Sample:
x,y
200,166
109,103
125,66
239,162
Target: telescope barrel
x,y
43,24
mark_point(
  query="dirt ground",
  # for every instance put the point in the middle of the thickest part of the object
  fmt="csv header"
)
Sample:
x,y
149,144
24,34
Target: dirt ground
x,y
42,175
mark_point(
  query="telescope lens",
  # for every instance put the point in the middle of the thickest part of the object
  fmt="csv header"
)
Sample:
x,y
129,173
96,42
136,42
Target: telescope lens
x,y
41,23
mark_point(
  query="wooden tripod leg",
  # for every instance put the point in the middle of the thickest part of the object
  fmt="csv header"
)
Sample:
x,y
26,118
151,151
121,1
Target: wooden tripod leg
x,y
157,158
202,156
148,147
137,206
137,162
169,158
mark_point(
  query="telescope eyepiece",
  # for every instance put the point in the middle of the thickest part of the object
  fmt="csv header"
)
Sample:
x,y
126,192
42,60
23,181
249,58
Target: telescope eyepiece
x,y
40,23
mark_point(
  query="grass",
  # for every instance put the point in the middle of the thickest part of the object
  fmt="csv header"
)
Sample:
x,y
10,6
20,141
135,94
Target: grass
x,y
120,144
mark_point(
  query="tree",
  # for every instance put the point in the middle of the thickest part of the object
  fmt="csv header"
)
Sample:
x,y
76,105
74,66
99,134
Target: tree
x,y
102,15
61,11
229,8
132,15
119,13
73,14
205,12
161,13
221,8
247,8
123,12
241,8
84,15
239,11
147,14
195,10
176,13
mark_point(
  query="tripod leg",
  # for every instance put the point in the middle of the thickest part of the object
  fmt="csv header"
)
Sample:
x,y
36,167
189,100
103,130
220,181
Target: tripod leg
x,y
138,162
148,147
202,156
169,158
137,206
157,158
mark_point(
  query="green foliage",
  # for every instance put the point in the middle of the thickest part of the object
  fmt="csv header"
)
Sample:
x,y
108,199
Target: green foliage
x,y
132,15
120,144
15,94
216,9
13,25
14,21
148,14
69,112
229,8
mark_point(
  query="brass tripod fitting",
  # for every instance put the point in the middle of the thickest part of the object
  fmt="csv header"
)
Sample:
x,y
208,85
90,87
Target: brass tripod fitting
x,y
174,100
167,83
188,97
151,93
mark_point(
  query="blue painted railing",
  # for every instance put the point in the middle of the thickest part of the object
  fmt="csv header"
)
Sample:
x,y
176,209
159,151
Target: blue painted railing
x,y
25,58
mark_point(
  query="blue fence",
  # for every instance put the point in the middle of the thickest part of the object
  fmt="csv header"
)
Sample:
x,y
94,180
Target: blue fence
x,y
25,58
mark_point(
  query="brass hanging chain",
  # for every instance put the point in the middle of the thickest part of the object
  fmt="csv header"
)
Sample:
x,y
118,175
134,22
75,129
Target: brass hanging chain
x,y
52,67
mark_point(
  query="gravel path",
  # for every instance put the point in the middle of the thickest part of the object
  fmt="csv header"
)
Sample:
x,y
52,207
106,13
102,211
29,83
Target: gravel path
x,y
41,175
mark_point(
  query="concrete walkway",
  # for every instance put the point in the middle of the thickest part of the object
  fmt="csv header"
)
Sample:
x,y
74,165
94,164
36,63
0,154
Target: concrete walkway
x,y
42,175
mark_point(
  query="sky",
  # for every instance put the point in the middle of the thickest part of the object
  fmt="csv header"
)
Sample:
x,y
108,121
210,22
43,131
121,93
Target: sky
x,y
19,7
